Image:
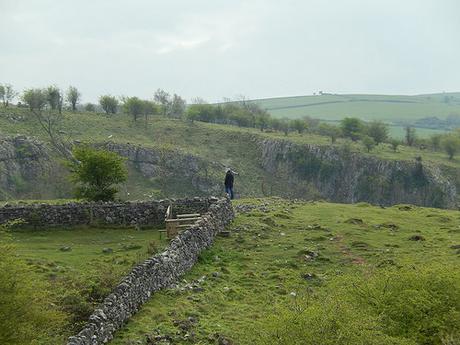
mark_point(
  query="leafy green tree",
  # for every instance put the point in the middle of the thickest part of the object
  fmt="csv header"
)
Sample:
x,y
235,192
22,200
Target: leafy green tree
x,y
148,108
35,99
134,107
331,131
162,98
90,107
109,104
368,142
53,97
73,96
451,145
262,120
299,125
201,112
177,107
410,135
96,173
435,141
394,144
378,131
27,311
352,128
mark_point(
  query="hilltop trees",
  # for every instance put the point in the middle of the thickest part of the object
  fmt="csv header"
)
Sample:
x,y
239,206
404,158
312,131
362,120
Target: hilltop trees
x,y
73,97
163,99
176,107
49,119
410,135
368,142
96,173
134,107
451,145
378,131
54,98
352,128
35,99
7,94
109,104
330,131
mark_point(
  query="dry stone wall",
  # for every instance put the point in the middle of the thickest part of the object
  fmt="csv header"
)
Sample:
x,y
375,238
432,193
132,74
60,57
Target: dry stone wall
x,y
157,272
149,213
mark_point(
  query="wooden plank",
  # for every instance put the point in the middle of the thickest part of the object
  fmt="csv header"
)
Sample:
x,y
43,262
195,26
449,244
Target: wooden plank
x,y
190,215
181,220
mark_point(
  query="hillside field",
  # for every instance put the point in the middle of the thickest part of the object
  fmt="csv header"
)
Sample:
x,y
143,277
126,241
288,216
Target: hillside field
x,y
282,253
393,109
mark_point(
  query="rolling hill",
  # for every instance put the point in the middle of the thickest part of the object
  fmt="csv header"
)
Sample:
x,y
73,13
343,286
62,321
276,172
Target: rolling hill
x,y
393,109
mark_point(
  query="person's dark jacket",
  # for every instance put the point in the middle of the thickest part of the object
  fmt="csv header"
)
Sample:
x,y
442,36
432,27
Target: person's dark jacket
x,y
229,180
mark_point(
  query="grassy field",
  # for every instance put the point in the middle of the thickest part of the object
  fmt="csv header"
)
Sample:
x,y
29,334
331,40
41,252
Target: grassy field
x,y
367,107
280,251
81,265
391,109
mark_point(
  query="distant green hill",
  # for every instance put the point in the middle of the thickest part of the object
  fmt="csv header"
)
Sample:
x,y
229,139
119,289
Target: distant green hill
x,y
393,109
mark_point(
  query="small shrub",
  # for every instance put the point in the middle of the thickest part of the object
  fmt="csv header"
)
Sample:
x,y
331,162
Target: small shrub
x,y
388,306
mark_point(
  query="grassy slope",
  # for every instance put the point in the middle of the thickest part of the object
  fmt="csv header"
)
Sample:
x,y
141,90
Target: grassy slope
x,y
263,262
222,144
368,107
228,145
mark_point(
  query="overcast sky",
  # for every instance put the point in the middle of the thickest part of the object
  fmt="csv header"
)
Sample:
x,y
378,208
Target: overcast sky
x,y
216,48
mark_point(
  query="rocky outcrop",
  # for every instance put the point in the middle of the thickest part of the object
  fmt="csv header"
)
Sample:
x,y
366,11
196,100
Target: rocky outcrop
x,y
340,175
25,165
158,272
170,164
279,167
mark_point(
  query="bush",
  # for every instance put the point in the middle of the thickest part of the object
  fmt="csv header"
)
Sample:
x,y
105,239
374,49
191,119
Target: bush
x,y
96,172
388,306
27,313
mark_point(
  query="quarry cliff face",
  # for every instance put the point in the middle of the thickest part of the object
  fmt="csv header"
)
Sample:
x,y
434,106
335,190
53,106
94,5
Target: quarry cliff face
x,y
171,166
29,170
339,175
26,167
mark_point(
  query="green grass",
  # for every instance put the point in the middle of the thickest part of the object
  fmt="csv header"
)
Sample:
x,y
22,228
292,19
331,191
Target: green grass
x,y
44,246
81,265
367,107
264,264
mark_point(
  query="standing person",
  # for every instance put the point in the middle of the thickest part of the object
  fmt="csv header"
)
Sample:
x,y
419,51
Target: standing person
x,y
229,183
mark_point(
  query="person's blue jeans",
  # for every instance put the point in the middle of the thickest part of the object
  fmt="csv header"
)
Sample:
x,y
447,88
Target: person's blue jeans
x,y
229,191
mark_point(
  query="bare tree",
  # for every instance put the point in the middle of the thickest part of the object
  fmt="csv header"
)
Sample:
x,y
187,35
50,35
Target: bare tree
x,y
73,97
50,120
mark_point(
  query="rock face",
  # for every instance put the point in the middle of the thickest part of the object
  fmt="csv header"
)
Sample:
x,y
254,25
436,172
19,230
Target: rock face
x,y
173,165
23,163
158,272
28,170
342,176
